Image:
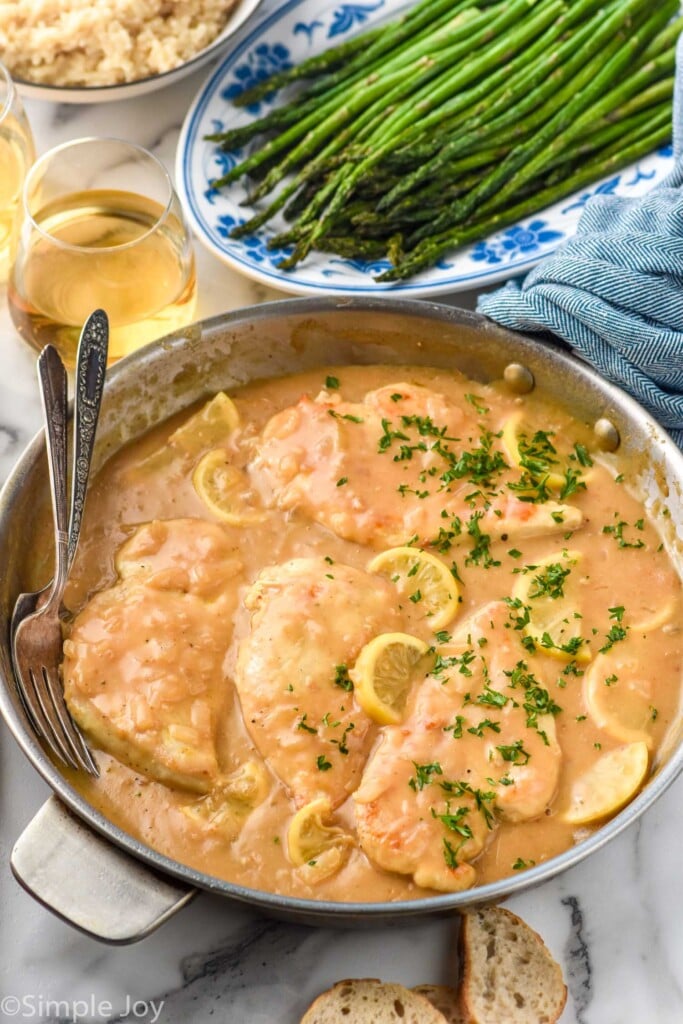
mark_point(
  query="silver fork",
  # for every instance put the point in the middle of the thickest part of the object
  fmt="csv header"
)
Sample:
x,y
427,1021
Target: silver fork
x,y
36,625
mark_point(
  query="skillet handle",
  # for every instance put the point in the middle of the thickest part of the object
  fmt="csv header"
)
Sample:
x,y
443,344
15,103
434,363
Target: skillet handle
x,y
90,883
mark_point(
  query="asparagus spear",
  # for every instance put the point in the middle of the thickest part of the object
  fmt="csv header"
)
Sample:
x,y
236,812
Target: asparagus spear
x,y
429,97
562,75
434,125
363,48
431,249
331,117
430,38
340,138
525,160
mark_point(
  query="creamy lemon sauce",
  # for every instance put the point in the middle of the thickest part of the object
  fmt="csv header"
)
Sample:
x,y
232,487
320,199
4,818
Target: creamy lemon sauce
x,y
225,590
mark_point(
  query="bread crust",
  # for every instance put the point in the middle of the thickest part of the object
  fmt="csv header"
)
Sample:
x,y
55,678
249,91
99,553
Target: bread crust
x,y
446,999
497,918
370,1001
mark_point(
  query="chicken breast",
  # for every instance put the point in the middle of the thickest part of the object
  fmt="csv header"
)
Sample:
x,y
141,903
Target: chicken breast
x,y
309,622
143,664
404,463
478,742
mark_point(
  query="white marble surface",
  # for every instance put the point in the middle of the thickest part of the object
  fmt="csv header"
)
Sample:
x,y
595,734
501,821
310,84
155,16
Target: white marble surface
x,y
615,922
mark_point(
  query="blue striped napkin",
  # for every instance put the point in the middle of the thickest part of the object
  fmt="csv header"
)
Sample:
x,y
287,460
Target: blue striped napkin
x,y
615,290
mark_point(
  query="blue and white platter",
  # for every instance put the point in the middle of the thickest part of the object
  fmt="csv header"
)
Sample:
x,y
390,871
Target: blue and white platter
x,y
299,29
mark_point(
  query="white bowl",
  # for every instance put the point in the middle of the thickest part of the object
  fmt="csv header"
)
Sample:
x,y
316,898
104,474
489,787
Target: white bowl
x,y
127,90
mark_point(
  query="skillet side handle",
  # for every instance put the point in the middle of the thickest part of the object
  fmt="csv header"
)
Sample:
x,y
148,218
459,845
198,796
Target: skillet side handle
x,y
88,882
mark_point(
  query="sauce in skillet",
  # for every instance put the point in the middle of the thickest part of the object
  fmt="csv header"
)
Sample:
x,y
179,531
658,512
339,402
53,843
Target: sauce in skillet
x,y
224,597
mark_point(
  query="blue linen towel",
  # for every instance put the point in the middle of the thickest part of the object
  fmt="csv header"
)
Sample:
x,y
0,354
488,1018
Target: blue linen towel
x,y
614,291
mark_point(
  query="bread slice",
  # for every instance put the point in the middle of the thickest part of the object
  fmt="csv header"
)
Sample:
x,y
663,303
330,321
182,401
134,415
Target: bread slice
x,y
445,999
369,1001
508,974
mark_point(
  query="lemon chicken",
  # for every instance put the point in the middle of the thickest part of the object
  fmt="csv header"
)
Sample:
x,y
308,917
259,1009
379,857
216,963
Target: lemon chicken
x,y
474,745
143,663
399,464
309,621
408,636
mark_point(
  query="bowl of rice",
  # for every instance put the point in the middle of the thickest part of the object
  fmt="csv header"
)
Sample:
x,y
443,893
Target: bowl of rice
x,y
90,51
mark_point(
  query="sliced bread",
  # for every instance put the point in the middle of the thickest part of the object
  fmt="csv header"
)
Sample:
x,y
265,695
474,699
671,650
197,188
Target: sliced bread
x,y
369,1001
508,977
445,999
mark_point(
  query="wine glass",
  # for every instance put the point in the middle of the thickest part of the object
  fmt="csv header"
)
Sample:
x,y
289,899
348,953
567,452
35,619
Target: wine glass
x,y
103,228
16,155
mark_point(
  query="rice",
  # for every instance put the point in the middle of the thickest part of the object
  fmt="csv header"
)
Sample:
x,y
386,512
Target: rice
x,y
104,42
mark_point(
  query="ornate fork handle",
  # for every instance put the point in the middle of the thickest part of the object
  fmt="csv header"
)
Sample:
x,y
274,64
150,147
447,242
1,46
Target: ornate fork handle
x,y
53,389
90,374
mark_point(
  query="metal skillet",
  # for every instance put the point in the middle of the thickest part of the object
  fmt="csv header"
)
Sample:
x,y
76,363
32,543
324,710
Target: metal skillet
x,y
123,889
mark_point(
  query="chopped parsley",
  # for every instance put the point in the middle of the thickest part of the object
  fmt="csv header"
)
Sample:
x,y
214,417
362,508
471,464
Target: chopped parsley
x,y
476,401
342,679
486,723
492,698
482,798
453,822
463,662
389,435
303,724
537,700
521,864
617,531
520,613
480,553
332,383
450,855
480,465
536,457
323,764
549,582
572,484
341,744
423,775
514,753
617,632
581,455
344,416
342,480
455,727
571,647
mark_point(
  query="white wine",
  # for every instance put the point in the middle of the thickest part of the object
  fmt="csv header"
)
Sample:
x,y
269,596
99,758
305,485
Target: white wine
x,y
13,161
115,250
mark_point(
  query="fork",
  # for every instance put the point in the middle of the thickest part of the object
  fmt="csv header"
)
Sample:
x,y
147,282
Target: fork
x,y
36,625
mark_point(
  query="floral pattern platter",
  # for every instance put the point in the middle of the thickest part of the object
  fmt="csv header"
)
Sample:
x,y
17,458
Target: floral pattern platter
x,y
299,29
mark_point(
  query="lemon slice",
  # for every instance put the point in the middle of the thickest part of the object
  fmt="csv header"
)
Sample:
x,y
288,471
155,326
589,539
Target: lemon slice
x,y
224,489
383,675
518,440
231,801
608,784
550,592
423,578
312,844
209,427
655,618
618,700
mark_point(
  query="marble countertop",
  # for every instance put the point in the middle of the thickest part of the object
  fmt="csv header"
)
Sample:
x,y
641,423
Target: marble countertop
x,y
614,922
